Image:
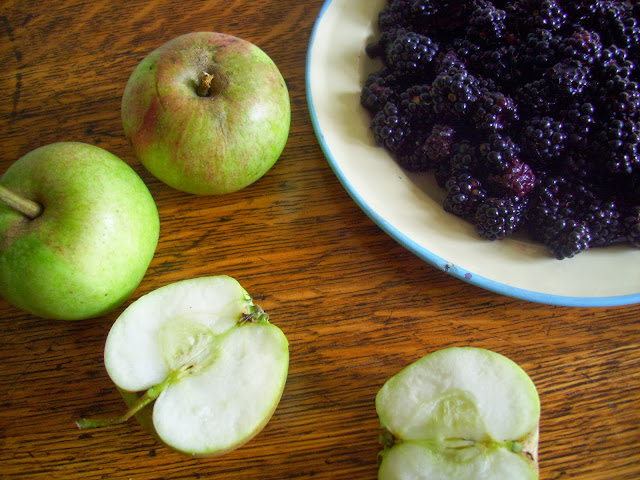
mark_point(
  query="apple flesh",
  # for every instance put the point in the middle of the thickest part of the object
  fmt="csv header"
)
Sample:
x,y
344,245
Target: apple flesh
x,y
460,413
85,248
207,113
211,365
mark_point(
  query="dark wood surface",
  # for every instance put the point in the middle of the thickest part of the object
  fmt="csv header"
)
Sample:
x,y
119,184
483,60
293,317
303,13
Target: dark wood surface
x,y
355,306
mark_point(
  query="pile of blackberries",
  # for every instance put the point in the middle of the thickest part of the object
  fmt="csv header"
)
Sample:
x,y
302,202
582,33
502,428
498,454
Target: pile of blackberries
x,y
527,112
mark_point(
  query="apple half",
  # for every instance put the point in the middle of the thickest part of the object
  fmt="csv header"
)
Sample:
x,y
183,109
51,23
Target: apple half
x,y
211,365
459,413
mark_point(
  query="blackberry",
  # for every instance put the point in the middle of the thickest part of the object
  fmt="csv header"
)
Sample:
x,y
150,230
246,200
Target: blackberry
x,y
412,155
603,220
535,98
464,194
498,153
463,158
569,78
614,61
550,201
417,104
620,139
618,95
632,226
379,89
543,141
582,45
494,112
578,122
449,62
396,14
567,238
535,14
486,24
454,93
438,144
518,179
390,128
498,218
611,19
411,53
538,51
501,64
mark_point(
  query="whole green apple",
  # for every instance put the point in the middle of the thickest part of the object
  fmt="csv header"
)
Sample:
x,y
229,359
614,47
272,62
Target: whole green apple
x,y
88,239
207,113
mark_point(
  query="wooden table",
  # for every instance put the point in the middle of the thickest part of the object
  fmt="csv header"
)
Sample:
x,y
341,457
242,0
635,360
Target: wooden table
x,y
355,305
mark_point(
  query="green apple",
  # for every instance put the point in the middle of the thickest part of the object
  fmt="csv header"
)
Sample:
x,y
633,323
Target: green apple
x,y
78,230
459,413
207,113
198,364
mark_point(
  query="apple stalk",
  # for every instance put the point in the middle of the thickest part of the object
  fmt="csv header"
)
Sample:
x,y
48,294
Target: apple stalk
x,y
148,397
26,207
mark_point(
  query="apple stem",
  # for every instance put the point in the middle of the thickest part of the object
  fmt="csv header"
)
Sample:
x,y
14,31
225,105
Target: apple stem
x,y
27,207
204,86
254,314
148,397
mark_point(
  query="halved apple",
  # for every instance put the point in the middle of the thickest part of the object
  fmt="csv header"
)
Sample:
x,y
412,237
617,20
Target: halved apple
x,y
208,359
460,413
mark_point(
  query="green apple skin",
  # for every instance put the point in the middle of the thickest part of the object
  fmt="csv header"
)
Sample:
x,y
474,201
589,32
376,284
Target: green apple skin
x,y
213,144
91,246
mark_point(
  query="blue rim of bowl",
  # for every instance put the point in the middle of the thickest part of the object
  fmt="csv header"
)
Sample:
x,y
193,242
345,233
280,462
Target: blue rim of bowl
x,y
435,260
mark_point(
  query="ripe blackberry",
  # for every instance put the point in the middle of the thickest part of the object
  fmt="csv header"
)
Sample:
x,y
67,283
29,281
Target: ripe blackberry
x,y
603,220
494,112
412,155
617,95
500,63
438,144
567,238
518,179
569,78
453,93
614,61
632,226
464,194
538,51
449,62
396,14
463,158
534,14
379,89
390,128
611,19
543,141
535,98
498,218
417,104
578,123
486,24
411,54
498,152
582,45
620,139
551,200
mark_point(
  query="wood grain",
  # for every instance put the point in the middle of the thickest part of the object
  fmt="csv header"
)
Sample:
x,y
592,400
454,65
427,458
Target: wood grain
x,y
355,306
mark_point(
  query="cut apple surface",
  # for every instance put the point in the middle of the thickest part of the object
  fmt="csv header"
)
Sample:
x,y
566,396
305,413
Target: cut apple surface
x,y
459,413
207,355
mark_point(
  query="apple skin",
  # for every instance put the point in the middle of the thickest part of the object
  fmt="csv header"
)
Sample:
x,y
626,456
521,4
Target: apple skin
x,y
91,246
214,144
